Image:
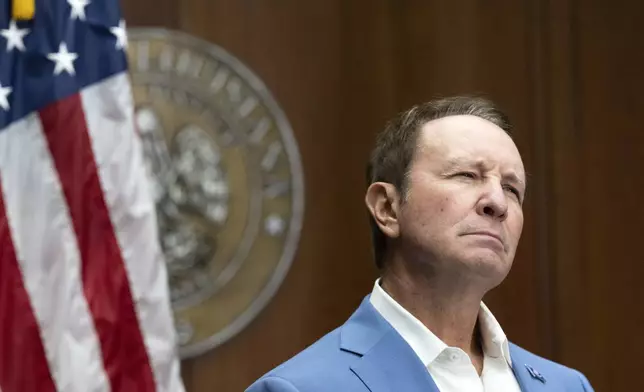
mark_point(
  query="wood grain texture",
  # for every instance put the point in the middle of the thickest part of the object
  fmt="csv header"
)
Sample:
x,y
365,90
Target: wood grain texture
x,y
152,13
599,146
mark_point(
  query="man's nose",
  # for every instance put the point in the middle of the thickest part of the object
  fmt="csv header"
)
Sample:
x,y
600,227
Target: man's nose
x,y
493,202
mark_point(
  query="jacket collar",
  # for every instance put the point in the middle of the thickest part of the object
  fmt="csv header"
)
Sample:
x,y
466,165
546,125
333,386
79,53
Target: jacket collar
x,y
388,364
530,375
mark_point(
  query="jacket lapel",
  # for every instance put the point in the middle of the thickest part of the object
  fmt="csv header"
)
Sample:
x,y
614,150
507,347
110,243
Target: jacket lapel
x,y
528,374
393,366
388,364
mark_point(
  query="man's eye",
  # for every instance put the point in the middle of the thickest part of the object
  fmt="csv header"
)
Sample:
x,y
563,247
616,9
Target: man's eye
x,y
471,175
514,190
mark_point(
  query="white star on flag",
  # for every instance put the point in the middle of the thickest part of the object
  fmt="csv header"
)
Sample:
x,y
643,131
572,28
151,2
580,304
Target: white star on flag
x,y
120,32
14,36
78,8
64,60
4,93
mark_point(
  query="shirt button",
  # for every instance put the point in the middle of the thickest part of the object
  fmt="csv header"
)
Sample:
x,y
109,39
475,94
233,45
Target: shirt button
x,y
453,357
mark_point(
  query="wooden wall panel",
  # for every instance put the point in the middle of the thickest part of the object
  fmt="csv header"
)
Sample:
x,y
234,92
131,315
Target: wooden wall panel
x,y
598,186
147,13
569,74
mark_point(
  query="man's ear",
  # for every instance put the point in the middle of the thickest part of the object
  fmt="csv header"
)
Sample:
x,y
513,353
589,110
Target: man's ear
x,y
383,202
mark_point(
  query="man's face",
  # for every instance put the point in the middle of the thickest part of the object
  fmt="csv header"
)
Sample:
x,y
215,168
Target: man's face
x,y
463,207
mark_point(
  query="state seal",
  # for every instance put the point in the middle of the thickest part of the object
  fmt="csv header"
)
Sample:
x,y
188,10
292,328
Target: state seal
x,y
226,178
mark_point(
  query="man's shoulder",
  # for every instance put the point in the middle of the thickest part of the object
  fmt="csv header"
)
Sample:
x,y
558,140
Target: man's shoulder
x,y
322,367
537,366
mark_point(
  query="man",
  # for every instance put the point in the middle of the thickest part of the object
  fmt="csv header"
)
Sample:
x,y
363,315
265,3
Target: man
x,y
445,195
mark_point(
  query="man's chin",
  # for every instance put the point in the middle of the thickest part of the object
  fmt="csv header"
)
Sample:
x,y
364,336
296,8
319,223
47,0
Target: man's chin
x,y
488,265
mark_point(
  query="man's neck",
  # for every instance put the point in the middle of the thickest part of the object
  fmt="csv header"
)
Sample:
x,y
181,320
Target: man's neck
x,y
447,308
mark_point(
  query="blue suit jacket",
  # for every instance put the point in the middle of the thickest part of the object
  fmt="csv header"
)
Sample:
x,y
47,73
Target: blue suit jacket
x,y
367,354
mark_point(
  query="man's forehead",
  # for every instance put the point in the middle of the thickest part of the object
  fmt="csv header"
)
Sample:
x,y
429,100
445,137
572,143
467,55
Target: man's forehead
x,y
458,127
469,140
483,160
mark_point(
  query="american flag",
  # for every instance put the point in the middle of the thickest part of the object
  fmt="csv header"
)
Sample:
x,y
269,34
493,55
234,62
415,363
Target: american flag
x,y
84,302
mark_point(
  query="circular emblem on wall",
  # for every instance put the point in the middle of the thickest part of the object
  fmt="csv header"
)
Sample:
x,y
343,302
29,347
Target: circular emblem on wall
x,y
226,177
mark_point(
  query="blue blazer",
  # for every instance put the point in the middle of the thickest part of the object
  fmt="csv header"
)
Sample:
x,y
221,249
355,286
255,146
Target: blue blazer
x,y
367,354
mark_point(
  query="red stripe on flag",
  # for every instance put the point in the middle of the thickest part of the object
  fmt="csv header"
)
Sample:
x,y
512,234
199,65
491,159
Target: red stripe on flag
x,y
105,280
23,364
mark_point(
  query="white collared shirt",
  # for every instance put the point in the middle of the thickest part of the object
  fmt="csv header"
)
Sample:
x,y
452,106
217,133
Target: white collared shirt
x,y
450,367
